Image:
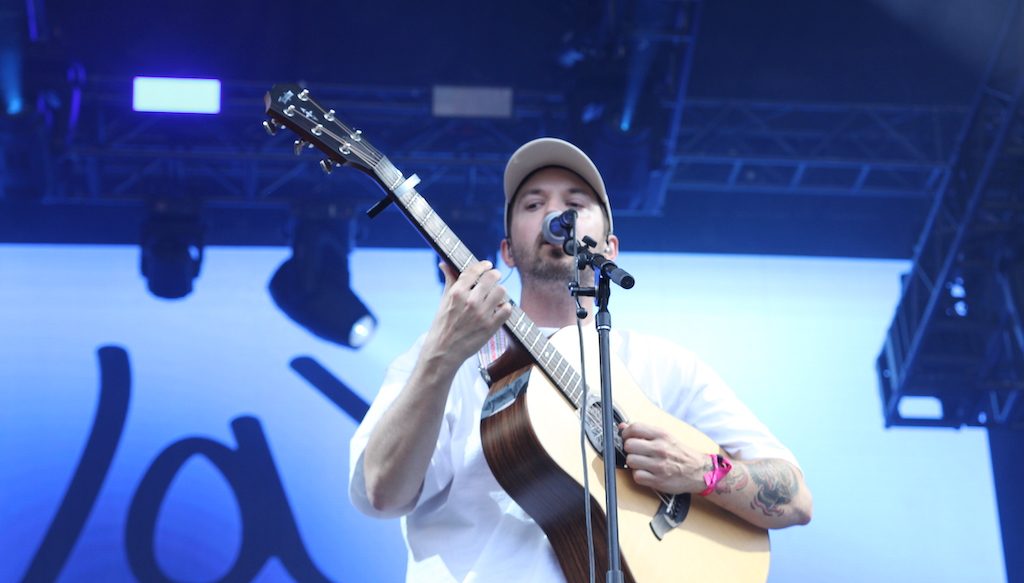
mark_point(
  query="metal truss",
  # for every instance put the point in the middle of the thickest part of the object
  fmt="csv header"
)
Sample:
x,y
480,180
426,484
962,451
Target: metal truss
x,y
957,335
116,154
112,155
24,160
7,175
811,149
772,148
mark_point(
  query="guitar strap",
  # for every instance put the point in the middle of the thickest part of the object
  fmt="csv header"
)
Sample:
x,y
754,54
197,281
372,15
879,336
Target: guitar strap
x,y
494,348
497,345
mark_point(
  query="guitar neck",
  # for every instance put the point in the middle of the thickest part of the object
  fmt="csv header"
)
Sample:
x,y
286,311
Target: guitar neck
x,y
455,253
291,106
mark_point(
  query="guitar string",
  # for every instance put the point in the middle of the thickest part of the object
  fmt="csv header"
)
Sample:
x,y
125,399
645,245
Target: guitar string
x,y
593,415
574,384
573,387
374,158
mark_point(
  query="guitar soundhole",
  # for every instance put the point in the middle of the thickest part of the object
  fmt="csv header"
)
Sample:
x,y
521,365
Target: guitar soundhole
x,y
596,436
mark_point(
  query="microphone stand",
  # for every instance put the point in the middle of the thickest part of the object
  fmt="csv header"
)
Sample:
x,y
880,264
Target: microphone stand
x,y
605,272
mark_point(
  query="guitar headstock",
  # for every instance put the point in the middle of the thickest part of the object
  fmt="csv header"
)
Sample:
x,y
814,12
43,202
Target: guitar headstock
x,y
293,107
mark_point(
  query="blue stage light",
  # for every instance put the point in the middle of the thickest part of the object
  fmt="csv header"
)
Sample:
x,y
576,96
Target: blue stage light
x,y
10,68
175,95
14,105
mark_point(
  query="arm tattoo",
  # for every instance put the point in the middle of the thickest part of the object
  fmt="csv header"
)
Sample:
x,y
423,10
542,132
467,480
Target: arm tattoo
x,y
776,487
734,481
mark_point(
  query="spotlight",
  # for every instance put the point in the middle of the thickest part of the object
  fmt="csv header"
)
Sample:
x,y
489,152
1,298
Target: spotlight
x,y
172,252
957,300
312,287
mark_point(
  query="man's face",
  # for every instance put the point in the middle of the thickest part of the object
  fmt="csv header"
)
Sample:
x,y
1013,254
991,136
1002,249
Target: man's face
x,y
552,189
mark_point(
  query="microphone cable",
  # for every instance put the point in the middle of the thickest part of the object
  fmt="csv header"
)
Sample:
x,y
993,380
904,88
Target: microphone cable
x,y
581,313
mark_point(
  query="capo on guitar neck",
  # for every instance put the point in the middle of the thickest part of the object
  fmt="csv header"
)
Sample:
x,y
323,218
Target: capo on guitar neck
x,y
403,189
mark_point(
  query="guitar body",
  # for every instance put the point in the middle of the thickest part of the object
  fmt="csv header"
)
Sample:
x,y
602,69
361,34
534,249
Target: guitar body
x,y
533,448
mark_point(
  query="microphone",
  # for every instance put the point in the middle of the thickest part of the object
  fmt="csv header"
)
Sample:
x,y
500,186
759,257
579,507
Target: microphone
x,y
557,227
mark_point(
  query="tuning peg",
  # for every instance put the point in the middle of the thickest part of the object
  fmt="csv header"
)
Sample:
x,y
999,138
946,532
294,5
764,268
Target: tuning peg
x,y
327,165
271,125
299,145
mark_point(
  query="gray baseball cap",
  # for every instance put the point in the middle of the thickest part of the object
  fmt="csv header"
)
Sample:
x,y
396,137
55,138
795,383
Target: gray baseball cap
x,y
545,152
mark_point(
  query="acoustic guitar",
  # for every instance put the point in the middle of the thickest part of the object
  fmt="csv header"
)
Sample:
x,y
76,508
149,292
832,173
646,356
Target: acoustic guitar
x,y
530,421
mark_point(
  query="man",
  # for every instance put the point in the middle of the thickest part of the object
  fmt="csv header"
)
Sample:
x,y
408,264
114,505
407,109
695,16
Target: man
x,y
417,453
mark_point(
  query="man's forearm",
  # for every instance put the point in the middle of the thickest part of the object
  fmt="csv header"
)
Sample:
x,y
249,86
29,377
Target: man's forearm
x,y
770,493
399,450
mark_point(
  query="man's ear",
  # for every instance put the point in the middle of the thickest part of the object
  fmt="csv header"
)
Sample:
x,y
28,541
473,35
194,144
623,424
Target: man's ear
x,y
611,248
506,253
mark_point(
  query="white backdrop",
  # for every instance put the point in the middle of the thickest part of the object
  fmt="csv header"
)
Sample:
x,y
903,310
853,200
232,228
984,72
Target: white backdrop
x,y
795,337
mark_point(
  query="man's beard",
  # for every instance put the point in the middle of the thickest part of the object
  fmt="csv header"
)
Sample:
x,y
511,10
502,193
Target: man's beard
x,y
542,264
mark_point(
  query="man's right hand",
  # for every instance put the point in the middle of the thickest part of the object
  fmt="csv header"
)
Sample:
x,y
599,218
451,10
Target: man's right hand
x,y
473,306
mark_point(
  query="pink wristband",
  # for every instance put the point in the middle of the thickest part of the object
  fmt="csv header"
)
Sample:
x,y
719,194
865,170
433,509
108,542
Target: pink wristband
x,y
719,469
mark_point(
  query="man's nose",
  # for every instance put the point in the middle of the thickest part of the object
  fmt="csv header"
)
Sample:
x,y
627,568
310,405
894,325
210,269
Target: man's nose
x,y
556,206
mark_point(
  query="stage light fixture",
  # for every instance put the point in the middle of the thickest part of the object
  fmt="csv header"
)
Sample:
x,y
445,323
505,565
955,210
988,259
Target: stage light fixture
x,y
172,251
957,297
313,286
176,95
10,64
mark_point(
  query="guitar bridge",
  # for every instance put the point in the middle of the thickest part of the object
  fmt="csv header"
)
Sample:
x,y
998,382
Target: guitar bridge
x,y
670,514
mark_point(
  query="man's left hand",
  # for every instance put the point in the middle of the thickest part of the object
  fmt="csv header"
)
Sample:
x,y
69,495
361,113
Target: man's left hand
x,y
660,462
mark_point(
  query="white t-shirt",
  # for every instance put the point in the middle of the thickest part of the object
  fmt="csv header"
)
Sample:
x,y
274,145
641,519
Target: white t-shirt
x,y
464,527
